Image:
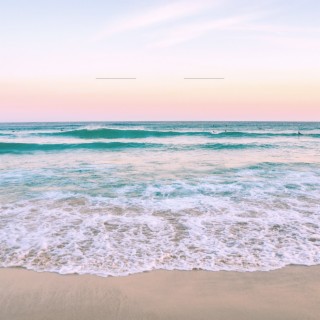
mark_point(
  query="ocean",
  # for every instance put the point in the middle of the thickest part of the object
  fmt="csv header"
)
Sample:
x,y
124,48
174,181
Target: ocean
x,y
116,198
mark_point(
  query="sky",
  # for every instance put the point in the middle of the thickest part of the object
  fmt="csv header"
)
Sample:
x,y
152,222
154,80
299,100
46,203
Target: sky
x,y
266,51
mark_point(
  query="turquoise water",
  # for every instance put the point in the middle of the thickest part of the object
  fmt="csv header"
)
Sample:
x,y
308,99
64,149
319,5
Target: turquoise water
x,y
120,198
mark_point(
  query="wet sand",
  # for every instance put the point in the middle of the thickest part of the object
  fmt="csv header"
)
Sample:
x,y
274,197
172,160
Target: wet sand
x,y
289,293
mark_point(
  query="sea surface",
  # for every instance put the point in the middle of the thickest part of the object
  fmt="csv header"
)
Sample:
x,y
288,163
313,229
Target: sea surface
x,y
126,197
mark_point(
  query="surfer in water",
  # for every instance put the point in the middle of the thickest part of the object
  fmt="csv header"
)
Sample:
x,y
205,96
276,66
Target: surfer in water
x,y
299,133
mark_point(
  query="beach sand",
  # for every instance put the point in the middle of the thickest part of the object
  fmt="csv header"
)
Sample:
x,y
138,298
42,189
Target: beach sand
x,y
289,293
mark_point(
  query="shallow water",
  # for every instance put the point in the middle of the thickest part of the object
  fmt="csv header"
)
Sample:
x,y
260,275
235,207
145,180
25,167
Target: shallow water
x,y
120,198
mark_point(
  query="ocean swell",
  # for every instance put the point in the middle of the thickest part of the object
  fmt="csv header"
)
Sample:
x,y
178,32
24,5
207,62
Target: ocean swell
x,y
12,148
30,147
108,133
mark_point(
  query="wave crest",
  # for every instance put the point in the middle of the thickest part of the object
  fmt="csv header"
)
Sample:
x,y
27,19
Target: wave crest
x,y
108,133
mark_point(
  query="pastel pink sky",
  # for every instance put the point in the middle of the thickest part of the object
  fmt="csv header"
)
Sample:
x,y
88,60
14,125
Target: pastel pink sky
x,y
267,54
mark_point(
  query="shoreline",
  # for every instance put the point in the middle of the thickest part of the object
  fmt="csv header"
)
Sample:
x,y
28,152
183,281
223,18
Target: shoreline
x,y
292,292
157,270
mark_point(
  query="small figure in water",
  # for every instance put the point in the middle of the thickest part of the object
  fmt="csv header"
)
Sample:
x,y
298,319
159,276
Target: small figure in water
x,y
299,133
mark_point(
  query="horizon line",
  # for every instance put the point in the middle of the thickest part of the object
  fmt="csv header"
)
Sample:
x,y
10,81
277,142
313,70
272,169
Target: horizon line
x,y
101,121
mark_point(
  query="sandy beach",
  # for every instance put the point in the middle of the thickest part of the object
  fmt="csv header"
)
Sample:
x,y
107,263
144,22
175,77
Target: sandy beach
x,y
289,293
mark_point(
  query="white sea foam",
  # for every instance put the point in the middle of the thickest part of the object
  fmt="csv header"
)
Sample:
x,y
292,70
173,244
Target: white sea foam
x,y
68,233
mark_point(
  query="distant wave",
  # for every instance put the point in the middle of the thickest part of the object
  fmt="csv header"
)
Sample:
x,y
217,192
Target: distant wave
x,y
108,133
237,134
31,147
238,146
5,134
105,133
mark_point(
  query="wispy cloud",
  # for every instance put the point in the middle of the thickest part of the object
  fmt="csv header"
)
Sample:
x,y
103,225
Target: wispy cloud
x,y
181,30
245,23
156,15
187,32
193,30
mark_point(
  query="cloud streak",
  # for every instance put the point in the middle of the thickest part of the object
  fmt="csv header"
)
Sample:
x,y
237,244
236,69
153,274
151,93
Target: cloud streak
x,y
184,31
169,12
243,24
190,31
